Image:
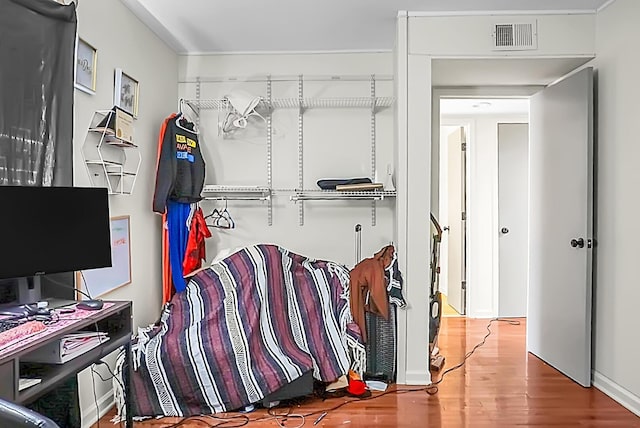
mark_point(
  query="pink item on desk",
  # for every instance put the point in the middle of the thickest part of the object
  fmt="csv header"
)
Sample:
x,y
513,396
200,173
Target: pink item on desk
x,y
20,332
64,321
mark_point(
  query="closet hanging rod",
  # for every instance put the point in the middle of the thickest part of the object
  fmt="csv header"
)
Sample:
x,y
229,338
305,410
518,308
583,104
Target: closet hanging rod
x,y
291,78
236,198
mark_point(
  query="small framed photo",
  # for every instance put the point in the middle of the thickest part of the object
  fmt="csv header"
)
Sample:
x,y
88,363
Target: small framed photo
x,y
86,62
126,93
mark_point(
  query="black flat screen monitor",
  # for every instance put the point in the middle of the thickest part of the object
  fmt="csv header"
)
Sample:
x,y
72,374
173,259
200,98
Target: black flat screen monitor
x,y
47,230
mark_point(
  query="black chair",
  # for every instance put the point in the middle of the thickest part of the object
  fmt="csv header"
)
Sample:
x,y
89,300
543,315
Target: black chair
x,y
16,416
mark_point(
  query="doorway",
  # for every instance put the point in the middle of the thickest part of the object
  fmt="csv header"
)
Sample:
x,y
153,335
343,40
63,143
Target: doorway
x,y
560,224
474,133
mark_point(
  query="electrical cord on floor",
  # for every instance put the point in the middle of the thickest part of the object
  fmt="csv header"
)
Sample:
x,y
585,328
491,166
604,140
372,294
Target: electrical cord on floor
x,y
430,389
212,421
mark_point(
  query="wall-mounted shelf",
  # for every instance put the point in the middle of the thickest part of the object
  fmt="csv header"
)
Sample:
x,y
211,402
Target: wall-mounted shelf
x,y
238,193
376,103
372,104
333,195
107,157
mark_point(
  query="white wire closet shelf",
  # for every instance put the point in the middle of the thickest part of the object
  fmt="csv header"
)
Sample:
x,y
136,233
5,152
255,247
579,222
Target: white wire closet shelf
x,y
246,193
335,195
376,103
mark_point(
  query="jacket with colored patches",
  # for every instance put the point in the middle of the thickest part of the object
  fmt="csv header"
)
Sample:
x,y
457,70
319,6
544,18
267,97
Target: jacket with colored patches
x,y
181,168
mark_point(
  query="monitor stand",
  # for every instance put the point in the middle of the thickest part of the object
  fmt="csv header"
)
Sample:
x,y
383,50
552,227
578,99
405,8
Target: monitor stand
x,y
28,295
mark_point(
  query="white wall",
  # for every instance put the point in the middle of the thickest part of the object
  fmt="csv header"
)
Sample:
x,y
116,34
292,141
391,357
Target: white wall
x,y
482,206
123,41
616,292
337,143
447,36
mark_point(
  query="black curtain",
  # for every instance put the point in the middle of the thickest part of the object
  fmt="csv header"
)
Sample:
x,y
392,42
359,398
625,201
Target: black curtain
x,y
37,44
37,51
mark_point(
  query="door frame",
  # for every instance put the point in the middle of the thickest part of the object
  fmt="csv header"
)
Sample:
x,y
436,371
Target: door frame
x,y
476,273
417,126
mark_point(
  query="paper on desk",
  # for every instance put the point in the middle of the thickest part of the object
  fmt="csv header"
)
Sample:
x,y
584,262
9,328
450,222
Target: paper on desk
x,y
25,383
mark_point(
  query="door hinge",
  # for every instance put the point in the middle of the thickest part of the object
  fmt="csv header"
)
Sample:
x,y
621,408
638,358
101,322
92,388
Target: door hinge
x,y
464,285
464,215
464,147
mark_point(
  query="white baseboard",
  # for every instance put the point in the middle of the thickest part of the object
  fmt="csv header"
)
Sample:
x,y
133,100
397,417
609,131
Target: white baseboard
x,y
417,378
481,314
620,394
88,415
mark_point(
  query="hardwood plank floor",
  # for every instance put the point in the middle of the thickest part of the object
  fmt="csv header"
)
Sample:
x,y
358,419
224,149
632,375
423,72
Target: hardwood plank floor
x,y
499,386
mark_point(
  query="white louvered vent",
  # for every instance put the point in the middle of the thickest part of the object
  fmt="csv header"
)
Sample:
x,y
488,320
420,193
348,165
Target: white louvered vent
x,y
515,36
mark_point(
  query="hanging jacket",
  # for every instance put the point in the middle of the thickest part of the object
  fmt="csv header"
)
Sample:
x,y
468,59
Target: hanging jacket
x,y
368,288
181,168
196,247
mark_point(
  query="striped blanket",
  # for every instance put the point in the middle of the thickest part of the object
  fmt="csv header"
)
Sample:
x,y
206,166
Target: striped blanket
x,y
243,328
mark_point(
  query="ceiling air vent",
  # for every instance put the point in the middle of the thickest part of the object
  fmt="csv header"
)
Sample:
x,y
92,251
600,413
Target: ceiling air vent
x,y
515,36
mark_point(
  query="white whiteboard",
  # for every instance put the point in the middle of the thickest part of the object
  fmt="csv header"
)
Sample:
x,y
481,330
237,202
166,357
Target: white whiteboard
x,y
101,281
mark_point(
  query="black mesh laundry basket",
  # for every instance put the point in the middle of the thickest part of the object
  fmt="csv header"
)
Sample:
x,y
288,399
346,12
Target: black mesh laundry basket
x,y
381,346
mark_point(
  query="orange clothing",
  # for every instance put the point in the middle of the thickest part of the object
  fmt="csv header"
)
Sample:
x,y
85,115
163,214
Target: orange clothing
x,y
368,276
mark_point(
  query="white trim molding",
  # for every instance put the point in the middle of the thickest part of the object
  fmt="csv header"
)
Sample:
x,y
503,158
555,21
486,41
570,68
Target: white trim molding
x,y
88,414
620,394
309,52
604,6
417,378
418,14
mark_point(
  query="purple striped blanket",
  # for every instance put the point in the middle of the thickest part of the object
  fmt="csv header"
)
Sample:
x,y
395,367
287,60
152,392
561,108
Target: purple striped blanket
x,y
243,328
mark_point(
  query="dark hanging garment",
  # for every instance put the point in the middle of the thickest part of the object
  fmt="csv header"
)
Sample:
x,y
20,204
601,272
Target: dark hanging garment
x,y
181,168
37,48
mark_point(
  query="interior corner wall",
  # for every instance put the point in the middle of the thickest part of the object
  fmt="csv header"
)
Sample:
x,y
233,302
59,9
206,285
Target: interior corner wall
x,y
122,41
617,65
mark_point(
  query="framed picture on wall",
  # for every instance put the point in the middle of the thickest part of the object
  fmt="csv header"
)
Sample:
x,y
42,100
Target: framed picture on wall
x,y
126,92
86,62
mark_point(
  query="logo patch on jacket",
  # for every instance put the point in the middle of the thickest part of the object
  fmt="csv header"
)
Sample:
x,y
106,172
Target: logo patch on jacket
x,y
186,156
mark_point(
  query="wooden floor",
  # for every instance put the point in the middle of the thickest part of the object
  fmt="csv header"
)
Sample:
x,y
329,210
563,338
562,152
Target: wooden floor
x,y
500,386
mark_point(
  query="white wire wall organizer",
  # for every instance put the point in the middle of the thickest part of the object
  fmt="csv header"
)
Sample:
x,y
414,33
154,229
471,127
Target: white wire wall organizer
x,y
266,106
111,162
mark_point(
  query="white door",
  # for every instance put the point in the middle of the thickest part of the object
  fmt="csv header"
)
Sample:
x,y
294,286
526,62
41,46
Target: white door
x,y
513,189
456,286
560,225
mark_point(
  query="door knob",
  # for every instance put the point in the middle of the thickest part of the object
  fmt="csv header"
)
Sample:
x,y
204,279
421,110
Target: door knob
x,y
504,230
579,243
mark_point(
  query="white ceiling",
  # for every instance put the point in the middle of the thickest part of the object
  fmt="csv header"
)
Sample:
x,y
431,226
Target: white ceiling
x,y
199,26
482,106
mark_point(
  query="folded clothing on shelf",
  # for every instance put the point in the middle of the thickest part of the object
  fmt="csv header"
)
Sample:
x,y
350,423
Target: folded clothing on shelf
x,y
330,184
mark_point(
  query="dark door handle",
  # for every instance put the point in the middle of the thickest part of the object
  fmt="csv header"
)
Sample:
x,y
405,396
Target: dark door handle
x,y
504,230
446,228
579,243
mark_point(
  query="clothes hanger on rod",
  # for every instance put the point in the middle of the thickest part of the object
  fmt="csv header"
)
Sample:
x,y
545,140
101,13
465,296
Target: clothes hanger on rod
x,y
221,219
182,116
225,221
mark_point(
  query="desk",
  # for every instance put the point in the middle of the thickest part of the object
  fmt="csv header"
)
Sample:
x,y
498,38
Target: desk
x,y
114,319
